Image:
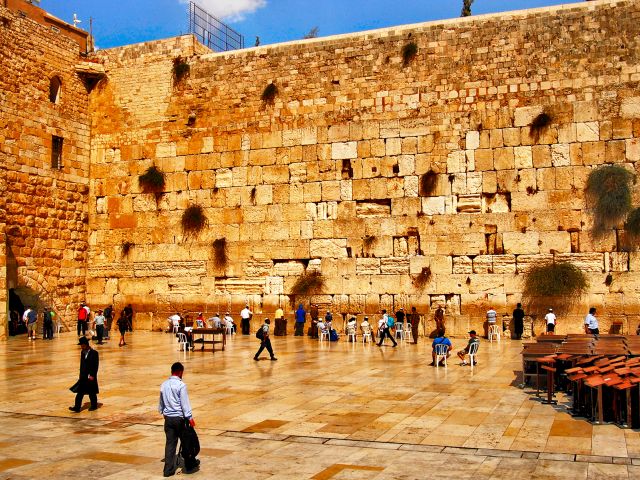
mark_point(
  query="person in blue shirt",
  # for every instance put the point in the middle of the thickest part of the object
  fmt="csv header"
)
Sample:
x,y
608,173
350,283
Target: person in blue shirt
x,y
175,407
301,315
440,340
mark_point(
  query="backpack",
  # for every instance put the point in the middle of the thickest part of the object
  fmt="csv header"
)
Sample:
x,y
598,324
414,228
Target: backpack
x,y
390,321
260,334
333,335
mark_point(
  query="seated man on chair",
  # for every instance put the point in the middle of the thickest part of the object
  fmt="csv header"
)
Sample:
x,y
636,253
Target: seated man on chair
x,y
473,339
440,340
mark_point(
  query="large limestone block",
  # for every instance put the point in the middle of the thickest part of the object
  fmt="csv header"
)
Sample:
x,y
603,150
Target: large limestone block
x,y
558,242
367,266
433,205
462,265
332,248
344,150
456,162
170,269
630,107
472,141
586,111
525,115
498,203
520,243
469,203
588,132
587,262
288,268
560,155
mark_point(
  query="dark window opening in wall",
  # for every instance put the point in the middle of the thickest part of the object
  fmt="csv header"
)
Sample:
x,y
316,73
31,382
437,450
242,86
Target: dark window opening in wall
x,y
55,89
56,152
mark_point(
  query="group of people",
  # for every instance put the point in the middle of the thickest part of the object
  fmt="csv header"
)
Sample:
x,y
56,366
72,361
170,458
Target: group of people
x,y
591,324
442,339
103,322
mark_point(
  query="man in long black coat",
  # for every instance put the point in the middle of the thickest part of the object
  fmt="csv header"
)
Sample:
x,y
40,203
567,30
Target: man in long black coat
x,y
88,381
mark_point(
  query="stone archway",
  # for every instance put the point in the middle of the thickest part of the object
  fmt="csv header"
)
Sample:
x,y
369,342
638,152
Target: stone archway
x,y
34,287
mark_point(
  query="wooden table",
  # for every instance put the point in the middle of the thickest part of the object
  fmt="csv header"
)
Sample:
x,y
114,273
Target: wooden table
x,y
203,332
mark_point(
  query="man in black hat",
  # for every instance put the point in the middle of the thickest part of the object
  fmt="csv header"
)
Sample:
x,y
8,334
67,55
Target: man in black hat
x,y
88,381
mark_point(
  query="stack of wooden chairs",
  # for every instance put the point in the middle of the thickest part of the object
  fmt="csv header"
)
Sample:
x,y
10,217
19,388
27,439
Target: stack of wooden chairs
x,y
601,374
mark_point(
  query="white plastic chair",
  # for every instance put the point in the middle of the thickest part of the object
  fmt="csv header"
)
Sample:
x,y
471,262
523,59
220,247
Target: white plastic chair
x,y
183,343
407,331
366,335
442,351
323,333
473,350
58,328
229,328
494,332
400,330
351,333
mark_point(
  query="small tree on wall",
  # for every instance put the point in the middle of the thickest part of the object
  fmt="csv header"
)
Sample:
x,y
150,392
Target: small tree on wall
x,y
608,195
553,284
193,221
153,181
466,8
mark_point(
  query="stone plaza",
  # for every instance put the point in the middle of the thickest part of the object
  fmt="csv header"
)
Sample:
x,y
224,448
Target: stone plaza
x,y
322,411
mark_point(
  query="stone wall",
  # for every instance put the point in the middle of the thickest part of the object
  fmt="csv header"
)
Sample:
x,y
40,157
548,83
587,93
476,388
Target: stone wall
x,y
44,208
327,176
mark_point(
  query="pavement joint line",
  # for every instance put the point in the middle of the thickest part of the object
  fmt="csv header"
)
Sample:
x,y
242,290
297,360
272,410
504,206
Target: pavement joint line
x,y
446,449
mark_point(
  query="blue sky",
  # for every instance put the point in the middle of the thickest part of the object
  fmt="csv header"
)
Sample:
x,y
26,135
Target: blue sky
x,y
273,20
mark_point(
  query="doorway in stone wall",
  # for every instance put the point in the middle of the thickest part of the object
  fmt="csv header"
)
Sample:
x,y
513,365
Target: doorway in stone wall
x,y
21,298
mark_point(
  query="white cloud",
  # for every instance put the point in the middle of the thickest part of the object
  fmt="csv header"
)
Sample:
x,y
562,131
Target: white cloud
x,y
231,10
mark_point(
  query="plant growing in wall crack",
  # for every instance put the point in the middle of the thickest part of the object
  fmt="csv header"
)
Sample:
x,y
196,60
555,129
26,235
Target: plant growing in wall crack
x,y
153,181
367,244
308,283
553,284
220,254
608,195
421,280
125,248
269,93
632,227
409,52
180,69
539,125
428,183
193,221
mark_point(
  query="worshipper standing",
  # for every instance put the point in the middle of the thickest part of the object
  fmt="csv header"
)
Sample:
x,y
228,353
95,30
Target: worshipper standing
x,y
281,324
440,340
98,321
87,383
414,319
108,317
128,311
328,319
518,321
175,407
32,323
400,318
83,316
439,319
384,330
265,342
301,317
591,323
473,339
47,320
314,313
122,327
491,319
550,320
245,319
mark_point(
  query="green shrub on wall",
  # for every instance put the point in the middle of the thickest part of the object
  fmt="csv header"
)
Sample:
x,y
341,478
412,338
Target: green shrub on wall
x,y
269,93
553,284
608,195
193,221
308,283
409,52
220,255
421,280
180,69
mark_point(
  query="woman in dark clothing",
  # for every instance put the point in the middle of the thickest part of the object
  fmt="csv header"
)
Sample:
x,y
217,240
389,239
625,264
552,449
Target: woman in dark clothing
x,y
122,326
518,321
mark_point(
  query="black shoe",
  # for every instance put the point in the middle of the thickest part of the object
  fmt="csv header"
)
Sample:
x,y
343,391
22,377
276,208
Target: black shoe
x,y
92,408
193,470
256,358
273,359
169,474
74,409
432,364
395,344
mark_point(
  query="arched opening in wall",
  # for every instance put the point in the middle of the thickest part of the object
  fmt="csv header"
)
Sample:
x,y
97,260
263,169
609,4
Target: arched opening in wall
x,y
55,89
21,298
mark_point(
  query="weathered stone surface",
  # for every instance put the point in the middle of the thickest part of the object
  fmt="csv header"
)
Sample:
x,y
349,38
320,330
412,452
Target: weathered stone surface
x,y
332,248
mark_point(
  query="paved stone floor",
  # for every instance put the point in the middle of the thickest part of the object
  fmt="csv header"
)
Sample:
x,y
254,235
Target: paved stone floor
x,y
323,411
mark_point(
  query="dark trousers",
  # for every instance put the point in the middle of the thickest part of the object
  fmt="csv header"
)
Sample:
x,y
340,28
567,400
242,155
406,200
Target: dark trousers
x,y
100,332
299,329
48,330
245,326
414,332
265,344
93,398
386,333
82,327
313,330
174,431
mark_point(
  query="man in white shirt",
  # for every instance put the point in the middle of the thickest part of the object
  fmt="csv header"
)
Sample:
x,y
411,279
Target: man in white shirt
x,y
591,323
491,319
174,321
383,330
215,321
245,316
228,322
550,319
175,407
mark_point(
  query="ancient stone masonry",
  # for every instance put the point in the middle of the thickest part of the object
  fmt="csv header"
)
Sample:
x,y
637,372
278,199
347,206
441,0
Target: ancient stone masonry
x,y
434,181
327,174
43,210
